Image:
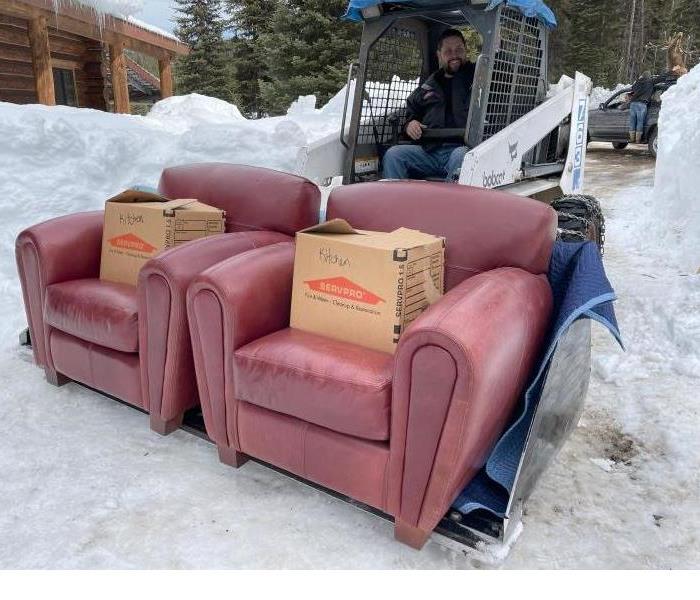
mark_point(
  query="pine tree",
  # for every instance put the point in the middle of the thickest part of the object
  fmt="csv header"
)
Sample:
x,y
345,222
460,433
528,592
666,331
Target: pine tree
x,y
249,20
307,51
204,70
588,39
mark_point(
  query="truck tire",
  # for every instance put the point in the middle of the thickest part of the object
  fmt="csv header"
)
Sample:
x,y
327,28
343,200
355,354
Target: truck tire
x,y
619,145
653,141
580,219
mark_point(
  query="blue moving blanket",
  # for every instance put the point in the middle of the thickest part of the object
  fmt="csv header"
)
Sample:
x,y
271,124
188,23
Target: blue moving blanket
x,y
581,291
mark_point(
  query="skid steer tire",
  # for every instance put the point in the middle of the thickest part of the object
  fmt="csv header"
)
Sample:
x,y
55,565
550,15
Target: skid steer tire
x,y
580,218
619,145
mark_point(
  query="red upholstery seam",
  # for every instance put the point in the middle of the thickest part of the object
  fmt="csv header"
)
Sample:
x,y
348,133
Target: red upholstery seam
x,y
376,386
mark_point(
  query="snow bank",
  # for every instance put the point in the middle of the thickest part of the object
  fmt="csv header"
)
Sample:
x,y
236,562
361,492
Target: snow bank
x,y
381,102
659,228
676,202
59,160
193,110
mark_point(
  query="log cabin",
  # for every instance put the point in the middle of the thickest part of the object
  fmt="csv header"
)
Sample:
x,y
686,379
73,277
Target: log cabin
x,y
68,54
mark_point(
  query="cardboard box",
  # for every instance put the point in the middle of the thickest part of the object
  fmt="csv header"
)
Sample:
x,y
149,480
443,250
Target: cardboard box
x,y
364,286
138,225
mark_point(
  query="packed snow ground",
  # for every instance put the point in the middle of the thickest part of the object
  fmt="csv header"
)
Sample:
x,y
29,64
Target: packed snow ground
x,y
86,484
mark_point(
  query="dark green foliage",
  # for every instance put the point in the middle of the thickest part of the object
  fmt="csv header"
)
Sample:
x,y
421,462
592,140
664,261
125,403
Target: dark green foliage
x,y
615,40
280,49
307,51
249,20
200,24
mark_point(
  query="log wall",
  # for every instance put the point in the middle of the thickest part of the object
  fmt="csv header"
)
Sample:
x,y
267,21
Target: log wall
x,y
68,51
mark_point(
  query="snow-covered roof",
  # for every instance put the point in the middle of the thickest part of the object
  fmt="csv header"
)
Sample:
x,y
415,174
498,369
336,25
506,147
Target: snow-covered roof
x,y
149,27
121,9
106,20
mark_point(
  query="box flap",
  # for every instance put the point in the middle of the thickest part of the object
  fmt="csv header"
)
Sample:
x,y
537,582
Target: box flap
x,y
411,238
340,226
170,205
133,195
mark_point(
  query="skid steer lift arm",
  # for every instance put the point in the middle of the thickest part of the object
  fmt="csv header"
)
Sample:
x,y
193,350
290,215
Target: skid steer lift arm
x,y
497,161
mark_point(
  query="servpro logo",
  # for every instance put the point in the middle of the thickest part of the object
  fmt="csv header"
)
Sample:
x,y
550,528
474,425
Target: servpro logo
x,y
343,288
129,241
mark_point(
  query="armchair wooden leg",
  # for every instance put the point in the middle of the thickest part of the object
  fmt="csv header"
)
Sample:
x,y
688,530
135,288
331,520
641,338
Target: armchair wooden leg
x,y
163,426
55,378
410,535
231,457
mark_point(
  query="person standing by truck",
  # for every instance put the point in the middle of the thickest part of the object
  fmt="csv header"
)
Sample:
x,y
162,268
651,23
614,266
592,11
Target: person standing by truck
x,y
639,97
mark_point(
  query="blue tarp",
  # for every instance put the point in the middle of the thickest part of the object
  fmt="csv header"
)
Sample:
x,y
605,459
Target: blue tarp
x,y
530,8
580,289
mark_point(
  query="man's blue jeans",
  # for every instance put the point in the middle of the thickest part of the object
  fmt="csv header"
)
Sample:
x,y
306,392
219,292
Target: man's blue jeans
x,y
414,162
638,113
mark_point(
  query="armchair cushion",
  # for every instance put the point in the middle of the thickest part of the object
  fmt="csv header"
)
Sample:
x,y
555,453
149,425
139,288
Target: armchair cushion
x,y
101,312
334,384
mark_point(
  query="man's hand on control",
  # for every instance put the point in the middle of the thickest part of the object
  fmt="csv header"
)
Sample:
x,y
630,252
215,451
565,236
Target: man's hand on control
x,y
414,129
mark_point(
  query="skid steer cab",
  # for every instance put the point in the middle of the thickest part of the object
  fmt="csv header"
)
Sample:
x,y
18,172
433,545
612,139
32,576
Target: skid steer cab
x,y
522,135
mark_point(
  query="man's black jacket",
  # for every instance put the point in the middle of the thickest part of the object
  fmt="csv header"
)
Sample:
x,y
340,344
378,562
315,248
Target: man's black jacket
x,y
427,103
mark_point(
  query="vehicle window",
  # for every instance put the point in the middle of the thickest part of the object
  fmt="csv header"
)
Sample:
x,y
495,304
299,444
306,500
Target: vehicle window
x,y
619,101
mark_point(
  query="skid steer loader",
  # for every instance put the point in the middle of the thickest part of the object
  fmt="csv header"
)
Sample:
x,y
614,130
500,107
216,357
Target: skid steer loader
x,y
522,139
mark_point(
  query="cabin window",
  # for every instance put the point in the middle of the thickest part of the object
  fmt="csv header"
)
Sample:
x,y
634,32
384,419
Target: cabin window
x,y
64,87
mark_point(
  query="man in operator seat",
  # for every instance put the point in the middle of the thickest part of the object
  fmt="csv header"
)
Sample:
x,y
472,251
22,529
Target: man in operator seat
x,y
442,102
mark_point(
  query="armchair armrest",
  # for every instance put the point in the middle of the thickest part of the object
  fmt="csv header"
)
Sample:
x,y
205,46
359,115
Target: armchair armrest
x,y
61,249
167,384
460,370
230,304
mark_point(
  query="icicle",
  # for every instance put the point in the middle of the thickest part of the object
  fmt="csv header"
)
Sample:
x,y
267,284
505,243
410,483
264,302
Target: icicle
x,y
124,9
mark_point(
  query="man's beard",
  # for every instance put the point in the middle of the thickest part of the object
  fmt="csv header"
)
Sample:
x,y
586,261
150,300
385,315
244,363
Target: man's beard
x,y
453,66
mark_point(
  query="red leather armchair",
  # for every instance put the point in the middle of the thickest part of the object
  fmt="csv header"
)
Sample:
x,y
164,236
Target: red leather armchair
x,y
402,433
133,342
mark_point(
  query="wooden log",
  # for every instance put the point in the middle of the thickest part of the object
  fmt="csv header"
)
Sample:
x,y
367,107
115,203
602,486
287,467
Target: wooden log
x,y
18,96
13,21
10,67
14,36
165,69
17,82
41,59
59,63
120,86
16,53
73,47
24,54
53,32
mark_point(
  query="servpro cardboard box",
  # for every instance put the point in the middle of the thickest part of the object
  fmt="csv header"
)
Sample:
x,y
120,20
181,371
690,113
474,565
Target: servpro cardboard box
x,y
140,224
364,286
